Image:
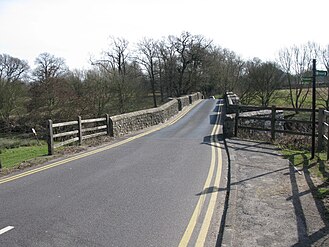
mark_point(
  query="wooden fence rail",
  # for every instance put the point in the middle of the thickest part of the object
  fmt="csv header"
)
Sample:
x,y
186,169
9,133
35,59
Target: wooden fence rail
x,y
233,107
238,109
243,108
322,131
79,133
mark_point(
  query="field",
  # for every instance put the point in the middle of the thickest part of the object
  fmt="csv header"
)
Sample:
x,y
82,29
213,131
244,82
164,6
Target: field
x,y
18,148
15,156
282,98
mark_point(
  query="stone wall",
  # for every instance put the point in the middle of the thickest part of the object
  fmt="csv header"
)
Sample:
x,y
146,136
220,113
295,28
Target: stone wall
x,y
231,101
129,122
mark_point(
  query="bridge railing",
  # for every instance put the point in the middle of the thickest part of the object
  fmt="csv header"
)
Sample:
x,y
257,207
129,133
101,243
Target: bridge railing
x,y
248,118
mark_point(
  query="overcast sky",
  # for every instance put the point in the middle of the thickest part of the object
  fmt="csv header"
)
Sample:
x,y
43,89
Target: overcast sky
x,y
78,29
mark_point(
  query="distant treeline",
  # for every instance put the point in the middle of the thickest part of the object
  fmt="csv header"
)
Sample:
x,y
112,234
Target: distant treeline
x,y
130,77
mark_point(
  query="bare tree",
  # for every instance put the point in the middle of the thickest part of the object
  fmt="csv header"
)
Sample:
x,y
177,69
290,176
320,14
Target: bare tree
x,y
122,73
324,57
296,63
79,94
48,88
264,79
148,58
189,49
98,93
209,78
12,71
167,66
230,69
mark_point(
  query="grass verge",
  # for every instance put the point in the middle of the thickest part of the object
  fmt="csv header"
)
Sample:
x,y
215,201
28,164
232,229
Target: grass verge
x,y
15,156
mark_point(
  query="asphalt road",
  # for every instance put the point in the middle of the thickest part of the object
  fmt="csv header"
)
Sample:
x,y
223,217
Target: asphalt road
x,y
142,193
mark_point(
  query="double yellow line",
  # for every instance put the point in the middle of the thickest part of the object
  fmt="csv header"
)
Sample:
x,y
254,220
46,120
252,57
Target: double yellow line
x,y
215,152
80,156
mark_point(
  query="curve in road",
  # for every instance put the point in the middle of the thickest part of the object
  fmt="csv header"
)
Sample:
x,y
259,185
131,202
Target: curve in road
x,y
157,189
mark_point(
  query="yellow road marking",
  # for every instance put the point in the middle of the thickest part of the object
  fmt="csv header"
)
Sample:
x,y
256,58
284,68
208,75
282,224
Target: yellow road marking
x,y
191,225
61,162
212,203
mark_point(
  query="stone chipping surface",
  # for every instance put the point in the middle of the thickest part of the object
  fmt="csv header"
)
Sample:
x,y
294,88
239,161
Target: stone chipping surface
x,y
270,203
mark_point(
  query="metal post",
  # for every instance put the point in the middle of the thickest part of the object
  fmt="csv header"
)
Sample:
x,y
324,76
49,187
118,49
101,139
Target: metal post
x,y
328,142
236,122
273,123
313,109
50,140
320,129
79,130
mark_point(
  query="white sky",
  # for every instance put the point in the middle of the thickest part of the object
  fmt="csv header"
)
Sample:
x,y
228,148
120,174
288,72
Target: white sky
x,y
78,29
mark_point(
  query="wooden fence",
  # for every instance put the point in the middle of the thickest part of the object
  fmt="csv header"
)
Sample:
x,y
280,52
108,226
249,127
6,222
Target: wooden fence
x,y
323,131
243,108
79,132
322,122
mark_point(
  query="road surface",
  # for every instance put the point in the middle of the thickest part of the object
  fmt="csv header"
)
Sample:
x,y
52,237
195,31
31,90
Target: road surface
x,y
157,189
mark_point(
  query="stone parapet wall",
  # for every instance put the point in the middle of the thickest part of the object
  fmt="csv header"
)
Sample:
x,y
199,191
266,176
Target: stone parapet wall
x,y
232,100
195,96
126,123
133,121
169,109
262,123
183,101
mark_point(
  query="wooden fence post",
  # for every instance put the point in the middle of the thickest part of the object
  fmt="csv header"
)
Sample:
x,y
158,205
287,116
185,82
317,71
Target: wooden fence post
x,y
50,140
109,124
320,129
180,107
79,130
236,121
273,113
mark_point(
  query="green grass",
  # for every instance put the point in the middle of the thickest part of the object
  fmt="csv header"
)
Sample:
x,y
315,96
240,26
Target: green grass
x,y
317,167
15,156
282,98
301,158
322,193
15,148
15,140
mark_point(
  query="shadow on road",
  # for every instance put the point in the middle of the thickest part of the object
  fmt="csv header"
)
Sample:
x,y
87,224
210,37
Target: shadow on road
x,y
253,146
210,190
213,119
